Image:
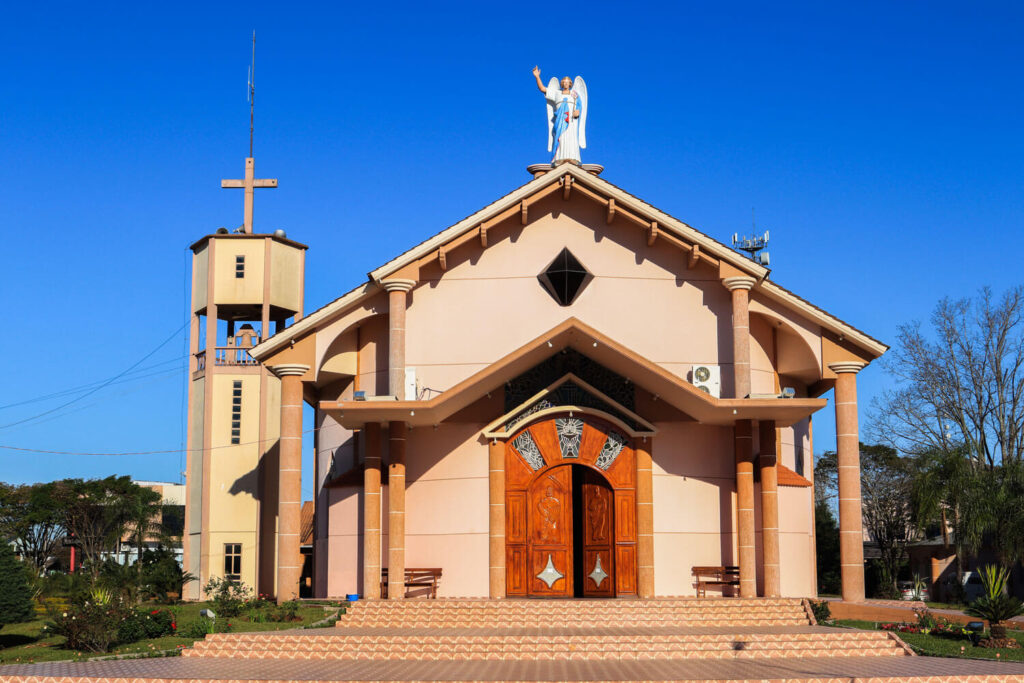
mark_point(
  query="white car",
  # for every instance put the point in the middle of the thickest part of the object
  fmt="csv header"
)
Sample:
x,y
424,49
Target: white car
x,y
907,591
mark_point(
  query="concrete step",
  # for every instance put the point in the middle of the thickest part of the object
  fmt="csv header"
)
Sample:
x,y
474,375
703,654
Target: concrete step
x,y
548,623
549,648
574,613
573,605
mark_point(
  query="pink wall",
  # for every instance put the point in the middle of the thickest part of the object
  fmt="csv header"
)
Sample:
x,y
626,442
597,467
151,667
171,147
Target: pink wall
x,y
694,503
486,305
482,309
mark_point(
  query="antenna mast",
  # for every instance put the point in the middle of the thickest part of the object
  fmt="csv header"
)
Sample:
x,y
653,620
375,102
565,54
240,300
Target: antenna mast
x,y
754,246
252,91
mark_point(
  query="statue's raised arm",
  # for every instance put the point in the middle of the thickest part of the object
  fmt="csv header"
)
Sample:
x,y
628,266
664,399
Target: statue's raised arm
x,y
536,74
567,116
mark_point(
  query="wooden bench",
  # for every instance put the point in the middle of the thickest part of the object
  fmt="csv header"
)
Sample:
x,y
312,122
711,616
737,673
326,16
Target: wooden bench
x,y
418,581
715,576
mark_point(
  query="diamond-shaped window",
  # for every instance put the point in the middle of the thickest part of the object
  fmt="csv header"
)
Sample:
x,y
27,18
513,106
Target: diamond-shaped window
x,y
565,278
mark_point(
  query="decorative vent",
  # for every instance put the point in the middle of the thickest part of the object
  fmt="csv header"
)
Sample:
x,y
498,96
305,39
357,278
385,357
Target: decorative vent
x,y
528,449
565,278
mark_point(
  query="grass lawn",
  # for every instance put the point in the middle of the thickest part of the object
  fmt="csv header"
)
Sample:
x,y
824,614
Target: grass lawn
x,y
21,643
936,646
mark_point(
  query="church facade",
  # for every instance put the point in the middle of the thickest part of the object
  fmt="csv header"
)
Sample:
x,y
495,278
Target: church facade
x,y
568,393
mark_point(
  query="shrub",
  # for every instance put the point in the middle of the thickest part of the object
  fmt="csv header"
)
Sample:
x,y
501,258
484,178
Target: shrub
x,y
15,594
203,626
228,597
160,623
286,611
995,610
822,612
131,629
89,626
139,624
995,606
257,615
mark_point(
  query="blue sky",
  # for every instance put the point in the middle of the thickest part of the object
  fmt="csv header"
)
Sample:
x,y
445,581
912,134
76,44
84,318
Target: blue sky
x,y
879,142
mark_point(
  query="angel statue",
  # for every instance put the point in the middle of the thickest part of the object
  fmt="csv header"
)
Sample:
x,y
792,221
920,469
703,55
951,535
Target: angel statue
x,y
567,116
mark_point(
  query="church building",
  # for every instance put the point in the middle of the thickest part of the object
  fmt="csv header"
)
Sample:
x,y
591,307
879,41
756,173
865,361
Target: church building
x,y
569,393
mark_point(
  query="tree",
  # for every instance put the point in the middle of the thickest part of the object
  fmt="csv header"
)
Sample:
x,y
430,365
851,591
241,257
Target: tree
x,y
15,595
826,537
963,385
162,575
885,483
97,512
145,519
949,492
31,517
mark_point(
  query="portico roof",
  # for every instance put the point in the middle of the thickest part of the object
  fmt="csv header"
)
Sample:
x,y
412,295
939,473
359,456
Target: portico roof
x,y
576,335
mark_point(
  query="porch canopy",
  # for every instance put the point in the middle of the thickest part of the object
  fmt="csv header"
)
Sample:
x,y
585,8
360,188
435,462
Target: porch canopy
x,y
573,334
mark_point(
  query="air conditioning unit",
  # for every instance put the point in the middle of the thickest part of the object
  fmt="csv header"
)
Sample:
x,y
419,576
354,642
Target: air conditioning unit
x,y
707,378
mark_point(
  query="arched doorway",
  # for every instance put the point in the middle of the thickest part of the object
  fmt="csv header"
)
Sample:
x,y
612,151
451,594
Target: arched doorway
x,y
570,506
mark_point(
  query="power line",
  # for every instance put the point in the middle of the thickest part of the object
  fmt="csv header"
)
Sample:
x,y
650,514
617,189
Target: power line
x,y
101,386
164,452
153,379
128,377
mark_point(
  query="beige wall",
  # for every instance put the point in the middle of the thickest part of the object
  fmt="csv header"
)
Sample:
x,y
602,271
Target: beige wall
x,y
200,271
285,286
694,503
234,290
343,544
337,536
796,541
447,506
446,514
233,473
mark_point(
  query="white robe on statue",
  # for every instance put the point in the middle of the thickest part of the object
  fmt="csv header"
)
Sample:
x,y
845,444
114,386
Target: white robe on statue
x,y
561,105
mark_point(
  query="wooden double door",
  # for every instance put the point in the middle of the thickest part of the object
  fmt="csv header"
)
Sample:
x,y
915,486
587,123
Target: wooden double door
x,y
569,531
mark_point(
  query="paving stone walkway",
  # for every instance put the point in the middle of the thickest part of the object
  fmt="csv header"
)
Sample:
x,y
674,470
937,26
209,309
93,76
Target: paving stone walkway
x,y
847,670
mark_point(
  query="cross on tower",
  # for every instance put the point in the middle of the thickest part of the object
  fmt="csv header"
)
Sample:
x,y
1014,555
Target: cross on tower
x,y
249,183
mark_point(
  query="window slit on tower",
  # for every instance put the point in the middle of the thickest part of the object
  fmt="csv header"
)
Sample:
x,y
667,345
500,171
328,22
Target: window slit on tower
x,y
236,412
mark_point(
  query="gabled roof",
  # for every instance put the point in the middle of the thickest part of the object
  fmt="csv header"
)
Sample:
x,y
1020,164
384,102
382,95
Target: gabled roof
x,y
570,178
576,335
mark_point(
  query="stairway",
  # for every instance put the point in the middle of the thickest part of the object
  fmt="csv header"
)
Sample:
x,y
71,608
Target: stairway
x,y
576,613
559,630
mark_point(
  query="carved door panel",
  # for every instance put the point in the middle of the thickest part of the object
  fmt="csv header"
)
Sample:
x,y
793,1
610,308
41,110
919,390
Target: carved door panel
x,y
549,517
598,535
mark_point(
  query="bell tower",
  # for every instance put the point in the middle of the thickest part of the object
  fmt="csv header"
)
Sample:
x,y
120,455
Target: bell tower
x,y
242,282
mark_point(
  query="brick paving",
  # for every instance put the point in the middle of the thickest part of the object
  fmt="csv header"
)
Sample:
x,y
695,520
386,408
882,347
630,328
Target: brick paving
x,y
867,669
